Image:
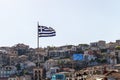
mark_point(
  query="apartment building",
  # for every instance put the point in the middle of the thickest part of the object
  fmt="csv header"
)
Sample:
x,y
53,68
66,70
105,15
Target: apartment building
x,y
7,71
61,52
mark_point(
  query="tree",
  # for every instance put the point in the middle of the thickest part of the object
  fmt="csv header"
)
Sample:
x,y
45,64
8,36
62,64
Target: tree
x,y
18,66
117,47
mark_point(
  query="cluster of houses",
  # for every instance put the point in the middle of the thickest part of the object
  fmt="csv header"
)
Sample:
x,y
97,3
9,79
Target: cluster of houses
x,y
32,63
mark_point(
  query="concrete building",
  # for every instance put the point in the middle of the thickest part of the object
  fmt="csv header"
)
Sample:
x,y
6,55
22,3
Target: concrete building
x,y
117,53
7,71
52,70
112,58
3,78
61,52
50,63
23,58
13,78
25,77
94,44
118,42
102,44
88,55
38,74
13,57
4,58
57,54
111,45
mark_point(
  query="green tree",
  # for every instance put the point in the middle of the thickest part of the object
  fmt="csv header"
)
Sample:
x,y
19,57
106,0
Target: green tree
x,y
18,66
117,47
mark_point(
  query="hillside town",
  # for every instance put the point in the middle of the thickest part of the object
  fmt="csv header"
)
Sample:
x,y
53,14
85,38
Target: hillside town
x,y
101,61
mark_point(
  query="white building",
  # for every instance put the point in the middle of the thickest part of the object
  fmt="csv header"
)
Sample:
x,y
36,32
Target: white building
x,y
88,56
52,71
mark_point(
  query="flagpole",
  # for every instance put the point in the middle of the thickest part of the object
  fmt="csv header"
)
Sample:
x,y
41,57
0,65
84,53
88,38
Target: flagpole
x,y
37,35
38,64
38,45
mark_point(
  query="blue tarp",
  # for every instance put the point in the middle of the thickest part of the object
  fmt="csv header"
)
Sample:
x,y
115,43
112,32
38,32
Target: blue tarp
x,y
77,56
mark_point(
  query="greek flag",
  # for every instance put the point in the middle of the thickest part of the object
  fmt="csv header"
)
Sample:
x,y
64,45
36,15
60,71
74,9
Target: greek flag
x,y
44,31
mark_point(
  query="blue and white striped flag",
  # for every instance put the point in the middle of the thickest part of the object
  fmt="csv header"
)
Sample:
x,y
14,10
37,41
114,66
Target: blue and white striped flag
x,y
44,31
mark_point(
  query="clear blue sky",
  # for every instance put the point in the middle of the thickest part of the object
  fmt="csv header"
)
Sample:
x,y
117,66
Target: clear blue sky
x,y
75,21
